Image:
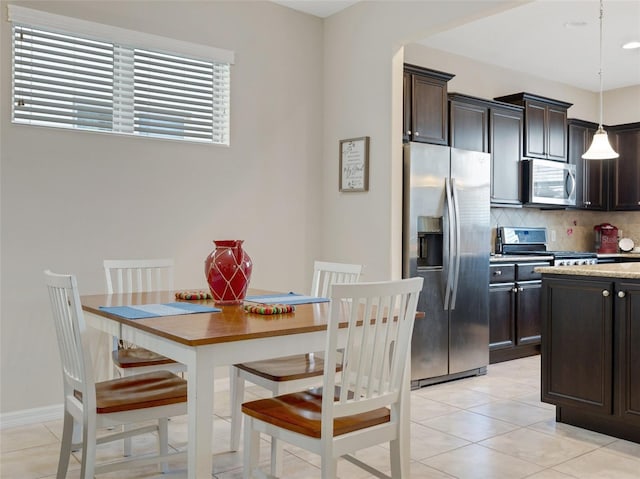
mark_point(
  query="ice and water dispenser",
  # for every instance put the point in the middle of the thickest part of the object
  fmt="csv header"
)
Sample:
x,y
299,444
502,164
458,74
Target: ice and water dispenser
x,y
430,240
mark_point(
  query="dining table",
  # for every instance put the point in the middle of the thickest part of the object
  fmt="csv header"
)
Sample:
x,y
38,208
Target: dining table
x,y
204,341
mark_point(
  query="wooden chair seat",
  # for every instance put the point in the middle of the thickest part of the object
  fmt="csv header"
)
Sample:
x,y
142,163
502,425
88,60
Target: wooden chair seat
x,y
138,357
289,368
301,412
154,389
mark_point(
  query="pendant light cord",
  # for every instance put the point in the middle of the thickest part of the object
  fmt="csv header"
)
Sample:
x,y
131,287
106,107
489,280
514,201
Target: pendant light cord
x,y
600,71
600,148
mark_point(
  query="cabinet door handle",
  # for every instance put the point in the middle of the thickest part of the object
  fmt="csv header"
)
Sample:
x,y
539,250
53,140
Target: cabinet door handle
x,y
417,133
520,289
408,132
587,203
515,290
605,293
621,294
497,273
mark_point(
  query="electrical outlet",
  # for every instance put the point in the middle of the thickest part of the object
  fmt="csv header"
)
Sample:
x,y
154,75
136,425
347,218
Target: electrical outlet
x,y
553,235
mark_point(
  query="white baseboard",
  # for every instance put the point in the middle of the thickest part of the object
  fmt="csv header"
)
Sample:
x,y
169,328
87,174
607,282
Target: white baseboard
x,y
31,416
54,413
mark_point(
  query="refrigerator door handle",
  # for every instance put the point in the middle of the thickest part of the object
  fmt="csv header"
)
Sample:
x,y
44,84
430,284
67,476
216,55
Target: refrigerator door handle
x,y
456,241
451,221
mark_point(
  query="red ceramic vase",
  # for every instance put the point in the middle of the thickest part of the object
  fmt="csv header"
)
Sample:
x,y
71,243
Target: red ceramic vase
x,y
228,271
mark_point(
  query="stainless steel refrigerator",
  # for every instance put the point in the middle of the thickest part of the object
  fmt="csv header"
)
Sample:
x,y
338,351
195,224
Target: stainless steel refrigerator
x,y
446,240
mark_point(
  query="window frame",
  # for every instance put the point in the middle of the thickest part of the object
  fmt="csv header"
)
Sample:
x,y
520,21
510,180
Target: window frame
x,y
220,61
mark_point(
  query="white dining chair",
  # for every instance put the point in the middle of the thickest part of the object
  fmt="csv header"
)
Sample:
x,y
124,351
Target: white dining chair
x,y
135,276
289,373
128,400
139,276
362,406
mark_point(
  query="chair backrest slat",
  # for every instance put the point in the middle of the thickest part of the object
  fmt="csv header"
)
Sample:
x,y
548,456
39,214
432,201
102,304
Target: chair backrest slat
x,y
380,319
138,276
326,273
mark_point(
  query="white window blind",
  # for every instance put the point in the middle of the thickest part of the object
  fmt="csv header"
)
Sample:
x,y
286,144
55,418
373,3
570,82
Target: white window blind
x,y
71,81
178,96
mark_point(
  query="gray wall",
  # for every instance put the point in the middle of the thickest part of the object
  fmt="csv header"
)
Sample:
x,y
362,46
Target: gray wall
x,y
71,199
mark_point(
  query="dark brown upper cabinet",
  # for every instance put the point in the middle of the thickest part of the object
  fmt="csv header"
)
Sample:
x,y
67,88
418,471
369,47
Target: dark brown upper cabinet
x,y
606,184
545,125
505,143
426,117
492,127
625,171
468,123
591,176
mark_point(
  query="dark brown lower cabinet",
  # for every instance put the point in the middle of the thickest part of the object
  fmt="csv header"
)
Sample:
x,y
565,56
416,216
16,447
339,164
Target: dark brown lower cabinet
x,y
628,379
590,354
514,311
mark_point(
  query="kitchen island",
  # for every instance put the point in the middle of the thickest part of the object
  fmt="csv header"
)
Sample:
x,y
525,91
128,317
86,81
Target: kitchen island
x,y
591,346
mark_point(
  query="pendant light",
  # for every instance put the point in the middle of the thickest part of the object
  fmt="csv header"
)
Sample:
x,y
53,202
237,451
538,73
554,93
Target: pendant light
x,y
600,148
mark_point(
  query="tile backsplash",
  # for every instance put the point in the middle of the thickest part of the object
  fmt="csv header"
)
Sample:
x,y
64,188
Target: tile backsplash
x,y
573,229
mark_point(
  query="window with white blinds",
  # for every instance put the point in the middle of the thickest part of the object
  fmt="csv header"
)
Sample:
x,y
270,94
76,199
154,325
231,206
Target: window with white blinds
x,y
69,81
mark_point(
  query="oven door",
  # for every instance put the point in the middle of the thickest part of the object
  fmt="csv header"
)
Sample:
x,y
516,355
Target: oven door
x,y
549,183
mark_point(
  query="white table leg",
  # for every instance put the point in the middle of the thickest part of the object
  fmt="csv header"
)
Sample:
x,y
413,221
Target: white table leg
x,y
200,410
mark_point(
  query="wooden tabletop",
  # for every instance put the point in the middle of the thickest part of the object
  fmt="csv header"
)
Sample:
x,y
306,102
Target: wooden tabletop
x,y
231,324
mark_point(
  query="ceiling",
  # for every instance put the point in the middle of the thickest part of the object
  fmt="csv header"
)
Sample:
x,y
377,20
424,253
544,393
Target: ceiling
x,y
547,38
319,8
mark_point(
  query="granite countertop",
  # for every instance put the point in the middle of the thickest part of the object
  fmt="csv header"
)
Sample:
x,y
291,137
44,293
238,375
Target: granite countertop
x,y
619,255
609,270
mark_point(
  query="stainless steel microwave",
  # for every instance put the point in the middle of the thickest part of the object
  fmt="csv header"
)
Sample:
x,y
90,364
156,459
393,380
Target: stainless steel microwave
x,y
548,182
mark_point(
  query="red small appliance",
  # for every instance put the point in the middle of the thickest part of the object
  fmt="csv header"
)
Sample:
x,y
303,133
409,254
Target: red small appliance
x,y
606,238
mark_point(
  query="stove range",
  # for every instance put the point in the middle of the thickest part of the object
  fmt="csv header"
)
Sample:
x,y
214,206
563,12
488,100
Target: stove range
x,y
566,258
533,241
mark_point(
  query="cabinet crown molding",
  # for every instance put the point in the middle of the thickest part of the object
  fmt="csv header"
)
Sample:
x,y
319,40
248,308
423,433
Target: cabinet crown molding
x,y
524,97
428,71
454,96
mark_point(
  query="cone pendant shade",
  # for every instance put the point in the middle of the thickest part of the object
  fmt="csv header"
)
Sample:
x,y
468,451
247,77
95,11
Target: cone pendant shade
x,y
600,148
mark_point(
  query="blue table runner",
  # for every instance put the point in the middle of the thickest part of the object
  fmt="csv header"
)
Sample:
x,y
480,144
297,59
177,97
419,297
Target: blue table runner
x,y
287,298
157,310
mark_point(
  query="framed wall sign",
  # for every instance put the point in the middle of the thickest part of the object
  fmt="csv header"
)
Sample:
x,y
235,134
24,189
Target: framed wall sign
x,y
354,164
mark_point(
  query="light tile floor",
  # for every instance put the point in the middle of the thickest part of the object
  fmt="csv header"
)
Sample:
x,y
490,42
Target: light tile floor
x,y
486,427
